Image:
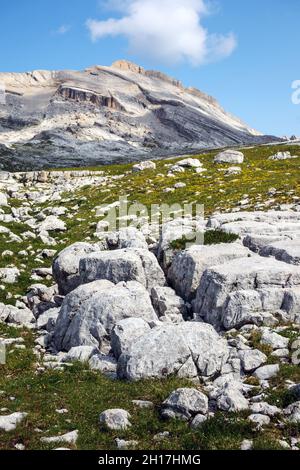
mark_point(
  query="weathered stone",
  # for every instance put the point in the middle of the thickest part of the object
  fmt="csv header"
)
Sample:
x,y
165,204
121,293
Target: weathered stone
x,y
3,199
229,156
128,237
122,444
9,275
175,230
89,313
187,349
230,398
198,421
283,156
122,265
143,403
49,317
243,290
52,224
274,340
80,353
189,163
293,412
266,372
125,332
272,225
146,165
188,266
10,422
167,303
68,438
259,420
247,444
265,409
115,419
186,401
296,358
251,359
103,363
284,250
18,316
66,266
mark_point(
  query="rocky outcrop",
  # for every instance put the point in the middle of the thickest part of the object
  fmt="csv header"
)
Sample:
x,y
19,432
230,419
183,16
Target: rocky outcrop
x,y
88,96
188,350
188,266
108,114
66,266
245,290
90,312
122,265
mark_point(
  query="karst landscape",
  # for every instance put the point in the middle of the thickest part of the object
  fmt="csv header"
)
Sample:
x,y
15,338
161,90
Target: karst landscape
x,y
120,331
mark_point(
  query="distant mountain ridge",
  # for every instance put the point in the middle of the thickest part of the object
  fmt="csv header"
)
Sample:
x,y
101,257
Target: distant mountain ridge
x,y
106,115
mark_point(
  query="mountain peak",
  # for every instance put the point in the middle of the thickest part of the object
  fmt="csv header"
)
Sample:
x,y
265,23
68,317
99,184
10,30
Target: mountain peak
x,y
128,66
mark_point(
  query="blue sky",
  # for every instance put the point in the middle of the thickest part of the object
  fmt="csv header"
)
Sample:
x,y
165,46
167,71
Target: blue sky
x,y
249,68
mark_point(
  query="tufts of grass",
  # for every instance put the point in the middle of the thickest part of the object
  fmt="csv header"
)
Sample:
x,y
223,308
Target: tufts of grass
x,y
211,237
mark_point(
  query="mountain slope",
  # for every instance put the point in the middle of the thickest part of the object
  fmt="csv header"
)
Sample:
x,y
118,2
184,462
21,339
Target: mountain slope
x,y
108,114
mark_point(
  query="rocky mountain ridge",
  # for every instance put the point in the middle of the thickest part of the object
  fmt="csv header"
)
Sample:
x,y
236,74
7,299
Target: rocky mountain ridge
x,y
108,115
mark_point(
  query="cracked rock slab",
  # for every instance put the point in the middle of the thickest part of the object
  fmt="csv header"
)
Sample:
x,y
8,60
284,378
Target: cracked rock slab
x,y
187,350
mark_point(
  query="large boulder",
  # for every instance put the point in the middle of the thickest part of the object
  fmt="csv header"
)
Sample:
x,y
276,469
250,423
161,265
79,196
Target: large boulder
x,y
65,266
89,313
244,290
229,156
188,266
187,350
122,265
125,332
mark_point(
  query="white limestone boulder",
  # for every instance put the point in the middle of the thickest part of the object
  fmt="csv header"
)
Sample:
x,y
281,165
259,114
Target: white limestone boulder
x,y
229,156
187,350
65,266
125,332
122,265
115,419
188,266
243,290
186,403
89,313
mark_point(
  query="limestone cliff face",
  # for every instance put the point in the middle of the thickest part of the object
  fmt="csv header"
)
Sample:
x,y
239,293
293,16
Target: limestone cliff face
x,y
108,114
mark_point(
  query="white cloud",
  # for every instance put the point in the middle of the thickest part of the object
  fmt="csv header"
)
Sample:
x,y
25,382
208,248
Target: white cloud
x,y
167,30
63,29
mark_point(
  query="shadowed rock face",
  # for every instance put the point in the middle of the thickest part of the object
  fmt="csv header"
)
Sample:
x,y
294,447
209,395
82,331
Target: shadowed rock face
x,y
108,115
